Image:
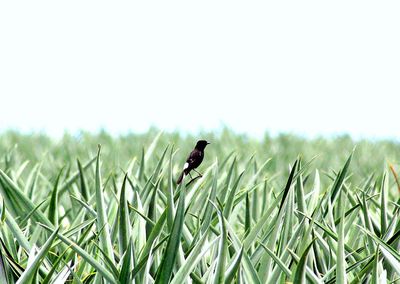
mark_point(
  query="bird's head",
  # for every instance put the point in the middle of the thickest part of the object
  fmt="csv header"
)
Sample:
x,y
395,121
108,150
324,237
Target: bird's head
x,y
201,144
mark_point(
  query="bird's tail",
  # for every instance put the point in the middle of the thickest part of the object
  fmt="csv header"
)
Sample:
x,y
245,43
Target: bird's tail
x,y
180,178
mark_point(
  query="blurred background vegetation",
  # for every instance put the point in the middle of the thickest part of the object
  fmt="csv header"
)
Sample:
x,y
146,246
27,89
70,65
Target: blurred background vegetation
x,y
370,157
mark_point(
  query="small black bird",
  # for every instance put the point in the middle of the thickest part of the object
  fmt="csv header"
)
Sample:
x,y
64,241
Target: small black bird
x,y
194,160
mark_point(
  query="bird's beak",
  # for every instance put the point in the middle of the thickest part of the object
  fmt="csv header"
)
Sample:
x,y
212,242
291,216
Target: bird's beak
x,y
208,143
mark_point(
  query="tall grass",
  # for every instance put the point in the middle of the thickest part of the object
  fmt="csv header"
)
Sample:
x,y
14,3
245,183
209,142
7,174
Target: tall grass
x,y
279,210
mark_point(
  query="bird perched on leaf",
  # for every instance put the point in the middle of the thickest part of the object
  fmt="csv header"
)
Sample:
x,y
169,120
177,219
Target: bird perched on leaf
x,y
194,160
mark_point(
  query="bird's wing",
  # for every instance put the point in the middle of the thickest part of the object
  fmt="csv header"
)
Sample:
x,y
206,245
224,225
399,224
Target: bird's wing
x,y
194,155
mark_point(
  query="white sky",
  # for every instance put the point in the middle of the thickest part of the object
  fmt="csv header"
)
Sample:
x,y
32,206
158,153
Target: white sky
x,y
311,67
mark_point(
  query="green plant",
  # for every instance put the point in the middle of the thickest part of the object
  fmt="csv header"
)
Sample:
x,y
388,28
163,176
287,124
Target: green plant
x,y
119,217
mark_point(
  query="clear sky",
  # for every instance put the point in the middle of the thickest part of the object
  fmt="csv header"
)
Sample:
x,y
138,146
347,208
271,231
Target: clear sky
x,y
309,67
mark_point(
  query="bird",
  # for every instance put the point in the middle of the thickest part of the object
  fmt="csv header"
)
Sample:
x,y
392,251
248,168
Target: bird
x,y
194,160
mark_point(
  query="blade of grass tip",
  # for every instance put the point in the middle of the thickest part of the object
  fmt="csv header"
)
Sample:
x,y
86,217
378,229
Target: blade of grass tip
x,y
301,203
158,170
32,181
29,214
315,193
247,222
256,193
266,260
258,172
229,203
225,189
211,198
3,212
288,185
124,222
226,159
337,185
170,192
89,209
144,217
21,169
102,224
67,184
396,178
30,271
53,207
384,188
145,193
341,258
171,250
152,208
84,189
368,224
300,274
140,171
152,147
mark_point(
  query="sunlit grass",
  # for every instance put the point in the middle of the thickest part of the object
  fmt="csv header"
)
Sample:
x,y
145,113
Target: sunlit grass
x,y
272,211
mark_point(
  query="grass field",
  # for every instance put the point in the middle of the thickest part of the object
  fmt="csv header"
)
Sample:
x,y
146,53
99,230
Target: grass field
x,y
281,209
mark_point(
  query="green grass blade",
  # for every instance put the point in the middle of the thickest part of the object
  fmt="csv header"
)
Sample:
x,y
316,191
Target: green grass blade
x,y
300,274
219,277
171,250
375,273
84,189
30,271
231,196
384,211
193,259
233,268
16,199
85,255
337,186
102,224
280,263
124,230
127,264
341,259
53,207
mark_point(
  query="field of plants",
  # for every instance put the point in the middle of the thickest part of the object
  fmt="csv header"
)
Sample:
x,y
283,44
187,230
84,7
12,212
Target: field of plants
x,y
282,209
